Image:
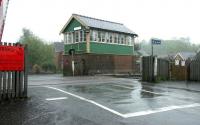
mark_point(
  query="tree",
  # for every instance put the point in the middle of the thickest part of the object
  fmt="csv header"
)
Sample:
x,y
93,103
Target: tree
x,y
170,46
39,52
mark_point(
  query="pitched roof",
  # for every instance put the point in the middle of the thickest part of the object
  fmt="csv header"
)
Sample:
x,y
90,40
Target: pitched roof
x,y
186,55
142,53
100,24
167,56
58,46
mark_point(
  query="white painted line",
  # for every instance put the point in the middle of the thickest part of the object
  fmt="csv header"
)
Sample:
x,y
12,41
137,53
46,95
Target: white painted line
x,y
164,109
141,89
152,92
59,98
128,115
90,101
122,86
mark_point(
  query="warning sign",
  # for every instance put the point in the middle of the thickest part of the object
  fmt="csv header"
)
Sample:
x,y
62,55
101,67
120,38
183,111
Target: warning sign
x,y
11,58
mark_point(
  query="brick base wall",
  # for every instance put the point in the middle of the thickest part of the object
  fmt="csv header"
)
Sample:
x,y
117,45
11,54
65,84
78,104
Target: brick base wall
x,y
98,63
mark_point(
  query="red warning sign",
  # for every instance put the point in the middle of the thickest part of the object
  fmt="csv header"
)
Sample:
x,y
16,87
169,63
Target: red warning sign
x,y
11,58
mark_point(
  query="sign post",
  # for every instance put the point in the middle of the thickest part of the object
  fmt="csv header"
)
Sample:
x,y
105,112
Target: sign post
x,y
155,65
154,42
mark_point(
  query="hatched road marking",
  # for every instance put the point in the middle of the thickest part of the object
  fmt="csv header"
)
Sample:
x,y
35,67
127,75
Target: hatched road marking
x,y
128,115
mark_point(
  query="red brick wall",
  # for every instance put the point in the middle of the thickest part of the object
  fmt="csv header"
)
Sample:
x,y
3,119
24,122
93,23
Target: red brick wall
x,y
97,63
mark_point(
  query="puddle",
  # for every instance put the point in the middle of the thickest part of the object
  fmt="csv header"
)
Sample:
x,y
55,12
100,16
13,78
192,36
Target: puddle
x,y
148,95
157,90
112,92
123,98
124,102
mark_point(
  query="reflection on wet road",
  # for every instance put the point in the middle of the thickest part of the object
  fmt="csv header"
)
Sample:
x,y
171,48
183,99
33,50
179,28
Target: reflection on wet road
x,y
99,100
126,98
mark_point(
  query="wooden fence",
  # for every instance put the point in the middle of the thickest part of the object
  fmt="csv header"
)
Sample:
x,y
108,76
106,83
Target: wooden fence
x,y
194,70
153,68
163,69
13,84
147,68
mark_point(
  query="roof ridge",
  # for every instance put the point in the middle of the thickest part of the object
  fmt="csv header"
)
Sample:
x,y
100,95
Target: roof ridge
x,y
96,19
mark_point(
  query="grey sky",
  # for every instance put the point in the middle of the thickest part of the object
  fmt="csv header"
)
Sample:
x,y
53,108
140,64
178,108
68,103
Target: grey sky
x,y
163,19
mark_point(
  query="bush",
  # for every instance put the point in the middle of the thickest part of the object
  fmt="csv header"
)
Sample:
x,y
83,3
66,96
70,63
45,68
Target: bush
x,y
47,66
36,69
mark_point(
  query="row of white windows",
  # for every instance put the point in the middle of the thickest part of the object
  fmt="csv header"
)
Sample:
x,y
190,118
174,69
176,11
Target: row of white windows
x,y
75,37
107,37
98,36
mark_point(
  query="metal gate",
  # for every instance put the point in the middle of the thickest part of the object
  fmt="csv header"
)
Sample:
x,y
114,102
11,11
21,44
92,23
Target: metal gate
x,y
13,71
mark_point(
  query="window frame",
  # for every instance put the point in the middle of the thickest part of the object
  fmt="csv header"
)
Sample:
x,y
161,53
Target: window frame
x,y
76,36
103,39
110,38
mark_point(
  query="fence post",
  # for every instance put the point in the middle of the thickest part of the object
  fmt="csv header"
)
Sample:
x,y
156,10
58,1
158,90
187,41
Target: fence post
x,y
8,84
13,84
20,84
25,70
17,84
4,85
20,81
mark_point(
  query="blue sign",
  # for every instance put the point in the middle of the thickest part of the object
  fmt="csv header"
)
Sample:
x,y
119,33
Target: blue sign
x,y
155,41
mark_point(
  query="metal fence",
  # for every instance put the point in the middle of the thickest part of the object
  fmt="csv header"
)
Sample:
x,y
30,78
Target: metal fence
x,y
153,68
13,84
194,70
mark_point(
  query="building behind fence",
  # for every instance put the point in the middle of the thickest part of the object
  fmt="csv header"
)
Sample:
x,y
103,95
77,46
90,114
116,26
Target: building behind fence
x,y
13,82
187,69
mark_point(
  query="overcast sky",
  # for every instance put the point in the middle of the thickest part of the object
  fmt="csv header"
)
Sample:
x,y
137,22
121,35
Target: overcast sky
x,y
163,19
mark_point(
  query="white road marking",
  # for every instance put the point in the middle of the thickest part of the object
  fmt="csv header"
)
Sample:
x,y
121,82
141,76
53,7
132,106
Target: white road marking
x,y
87,100
123,86
59,98
179,96
163,109
129,115
152,92
141,89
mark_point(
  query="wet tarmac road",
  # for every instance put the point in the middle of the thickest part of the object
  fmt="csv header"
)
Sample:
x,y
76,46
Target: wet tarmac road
x,y
55,100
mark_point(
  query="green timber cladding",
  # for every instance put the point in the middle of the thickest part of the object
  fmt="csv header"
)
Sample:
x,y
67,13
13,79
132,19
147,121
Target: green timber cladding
x,y
105,37
73,23
79,48
100,47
